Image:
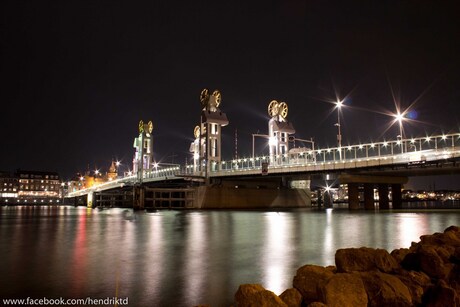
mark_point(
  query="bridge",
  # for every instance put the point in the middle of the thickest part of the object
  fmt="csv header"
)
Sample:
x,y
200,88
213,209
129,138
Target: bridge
x,y
284,172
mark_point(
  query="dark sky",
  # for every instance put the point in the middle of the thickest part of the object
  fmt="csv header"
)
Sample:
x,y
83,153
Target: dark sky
x,y
77,76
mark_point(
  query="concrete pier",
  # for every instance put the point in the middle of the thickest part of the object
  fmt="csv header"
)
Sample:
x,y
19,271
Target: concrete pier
x,y
369,196
396,196
384,202
368,182
353,196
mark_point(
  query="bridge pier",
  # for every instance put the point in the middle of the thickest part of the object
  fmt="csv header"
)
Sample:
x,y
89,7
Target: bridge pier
x,y
90,200
353,196
328,202
396,196
138,197
384,202
368,182
369,196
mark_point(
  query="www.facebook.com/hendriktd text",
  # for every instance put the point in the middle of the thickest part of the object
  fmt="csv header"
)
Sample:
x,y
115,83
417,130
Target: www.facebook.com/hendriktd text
x,y
44,301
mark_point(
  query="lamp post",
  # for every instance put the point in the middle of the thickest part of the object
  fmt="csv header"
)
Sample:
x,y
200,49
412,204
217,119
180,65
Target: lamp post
x,y
399,118
117,164
339,133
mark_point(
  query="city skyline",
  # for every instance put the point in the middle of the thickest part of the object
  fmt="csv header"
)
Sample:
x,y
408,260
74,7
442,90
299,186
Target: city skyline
x,y
79,77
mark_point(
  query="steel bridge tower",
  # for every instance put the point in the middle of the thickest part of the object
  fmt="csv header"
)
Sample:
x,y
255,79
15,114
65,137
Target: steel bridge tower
x,y
209,134
143,157
279,130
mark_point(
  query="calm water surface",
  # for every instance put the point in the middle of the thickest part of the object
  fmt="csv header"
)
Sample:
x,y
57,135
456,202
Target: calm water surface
x,y
182,258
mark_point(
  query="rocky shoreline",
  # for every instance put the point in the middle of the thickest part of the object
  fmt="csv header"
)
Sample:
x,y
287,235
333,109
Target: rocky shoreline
x,y
425,274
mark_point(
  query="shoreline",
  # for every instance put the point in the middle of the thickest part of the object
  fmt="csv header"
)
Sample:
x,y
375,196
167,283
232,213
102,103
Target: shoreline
x,y
425,274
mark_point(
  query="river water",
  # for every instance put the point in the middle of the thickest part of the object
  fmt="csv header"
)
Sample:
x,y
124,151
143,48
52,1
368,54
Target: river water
x,y
185,258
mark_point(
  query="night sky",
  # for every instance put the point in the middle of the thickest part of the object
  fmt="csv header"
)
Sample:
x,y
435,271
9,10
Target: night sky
x,y
77,76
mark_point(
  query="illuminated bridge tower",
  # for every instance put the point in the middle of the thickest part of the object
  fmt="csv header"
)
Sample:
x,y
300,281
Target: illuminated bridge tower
x,y
279,130
143,157
195,148
212,120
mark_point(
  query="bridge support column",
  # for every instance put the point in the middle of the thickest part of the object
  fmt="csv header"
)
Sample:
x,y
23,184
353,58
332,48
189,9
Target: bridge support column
x,y
90,200
396,197
369,196
328,203
353,196
383,196
138,197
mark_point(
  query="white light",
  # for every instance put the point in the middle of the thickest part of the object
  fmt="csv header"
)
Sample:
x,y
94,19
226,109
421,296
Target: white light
x,y
427,139
349,147
399,117
385,143
272,141
444,137
360,146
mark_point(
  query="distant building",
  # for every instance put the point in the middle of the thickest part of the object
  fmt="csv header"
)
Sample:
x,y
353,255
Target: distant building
x,y
9,185
30,187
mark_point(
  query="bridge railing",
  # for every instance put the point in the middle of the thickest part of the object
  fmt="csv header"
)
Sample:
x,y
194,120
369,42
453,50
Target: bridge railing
x,y
161,173
391,152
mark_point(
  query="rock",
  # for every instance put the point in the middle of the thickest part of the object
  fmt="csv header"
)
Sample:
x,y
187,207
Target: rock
x,y
441,295
434,261
254,295
454,278
316,304
364,259
453,229
344,289
455,257
416,282
399,254
307,280
385,290
440,239
291,297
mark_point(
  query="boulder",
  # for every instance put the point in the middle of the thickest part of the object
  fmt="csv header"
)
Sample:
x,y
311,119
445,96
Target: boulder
x,y
291,297
450,237
385,290
307,280
433,260
416,282
364,259
441,295
252,295
399,254
344,289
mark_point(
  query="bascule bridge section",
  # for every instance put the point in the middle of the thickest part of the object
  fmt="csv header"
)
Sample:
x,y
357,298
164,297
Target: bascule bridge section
x,y
281,177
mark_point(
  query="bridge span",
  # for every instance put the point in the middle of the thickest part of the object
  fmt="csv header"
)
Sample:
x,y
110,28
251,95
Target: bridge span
x,y
385,165
282,177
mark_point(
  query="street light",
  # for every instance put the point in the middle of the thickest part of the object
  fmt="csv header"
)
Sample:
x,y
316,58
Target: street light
x,y
339,104
399,117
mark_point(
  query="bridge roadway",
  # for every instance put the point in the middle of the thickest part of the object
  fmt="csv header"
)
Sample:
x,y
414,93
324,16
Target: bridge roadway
x,y
404,157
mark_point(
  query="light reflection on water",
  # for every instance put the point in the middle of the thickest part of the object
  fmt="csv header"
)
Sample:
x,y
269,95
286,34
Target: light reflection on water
x,y
184,258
